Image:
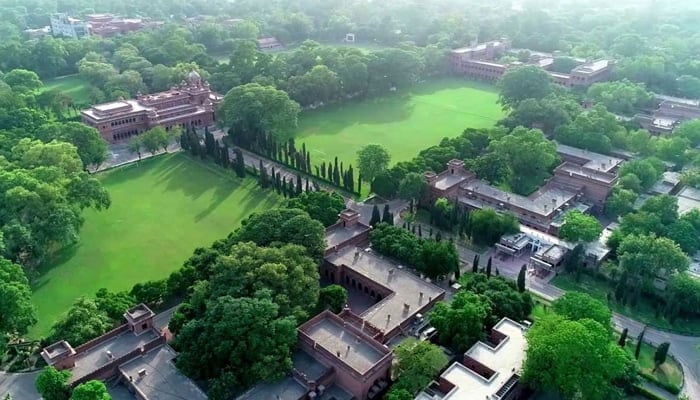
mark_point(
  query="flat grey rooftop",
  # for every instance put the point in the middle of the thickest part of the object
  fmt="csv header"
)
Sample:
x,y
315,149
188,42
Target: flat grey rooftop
x,y
120,392
446,181
286,388
118,346
543,202
162,381
338,234
308,366
406,287
596,161
585,171
688,199
354,350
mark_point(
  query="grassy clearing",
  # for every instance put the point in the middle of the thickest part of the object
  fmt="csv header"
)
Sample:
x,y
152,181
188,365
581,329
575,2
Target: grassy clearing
x,y
404,122
669,372
72,85
161,211
643,312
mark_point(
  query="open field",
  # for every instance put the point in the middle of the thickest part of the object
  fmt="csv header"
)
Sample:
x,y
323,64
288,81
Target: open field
x,y
668,372
72,85
161,211
643,312
404,122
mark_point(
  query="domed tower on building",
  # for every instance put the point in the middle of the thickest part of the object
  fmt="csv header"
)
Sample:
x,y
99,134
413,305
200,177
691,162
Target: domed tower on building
x,y
194,79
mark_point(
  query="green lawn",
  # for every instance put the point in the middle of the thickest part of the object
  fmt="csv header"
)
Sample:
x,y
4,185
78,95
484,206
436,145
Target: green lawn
x,y
668,372
643,312
161,211
72,85
404,122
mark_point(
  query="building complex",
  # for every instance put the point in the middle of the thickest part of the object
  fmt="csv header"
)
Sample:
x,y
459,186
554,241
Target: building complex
x,y
62,25
488,370
583,181
481,61
102,25
669,113
345,356
192,103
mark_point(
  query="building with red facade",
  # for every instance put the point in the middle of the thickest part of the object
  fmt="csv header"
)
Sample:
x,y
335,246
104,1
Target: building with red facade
x,y
192,103
481,62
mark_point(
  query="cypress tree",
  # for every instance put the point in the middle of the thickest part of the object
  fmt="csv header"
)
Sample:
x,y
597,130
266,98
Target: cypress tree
x,y
263,178
386,215
438,236
376,217
475,264
521,278
420,232
183,141
359,184
351,179
286,157
239,164
640,340
488,268
300,188
413,229
623,338
308,162
342,170
336,172
318,171
660,355
323,170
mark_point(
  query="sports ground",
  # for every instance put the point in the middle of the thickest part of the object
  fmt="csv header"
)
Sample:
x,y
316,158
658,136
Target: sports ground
x,y
161,211
404,122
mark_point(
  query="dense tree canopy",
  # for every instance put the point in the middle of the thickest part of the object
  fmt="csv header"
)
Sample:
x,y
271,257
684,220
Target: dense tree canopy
x,y
527,82
237,332
487,226
577,359
460,323
53,384
372,159
579,227
321,206
418,363
83,321
576,306
17,313
620,97
91,390
503,297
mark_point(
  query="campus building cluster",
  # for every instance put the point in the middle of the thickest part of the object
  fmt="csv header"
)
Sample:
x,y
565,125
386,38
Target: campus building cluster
x,y
488,370
134,356
190,104
583,181
481,61
102,25
346,356
668,114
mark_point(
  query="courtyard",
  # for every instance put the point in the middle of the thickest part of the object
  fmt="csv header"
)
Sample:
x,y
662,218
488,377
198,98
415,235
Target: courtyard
x,y
404,122
162,209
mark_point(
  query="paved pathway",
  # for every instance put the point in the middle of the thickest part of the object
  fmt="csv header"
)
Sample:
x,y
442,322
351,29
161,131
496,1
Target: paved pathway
x,y
19,386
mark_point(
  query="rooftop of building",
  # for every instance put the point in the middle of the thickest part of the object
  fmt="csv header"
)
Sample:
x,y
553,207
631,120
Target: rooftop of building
x,y
339,234
593,160
56,350
138,312
688,199
544,202
505,360
581,171
333,335
162,380
667,183
479,46
118,346
447,180
592,67
407,288
678,100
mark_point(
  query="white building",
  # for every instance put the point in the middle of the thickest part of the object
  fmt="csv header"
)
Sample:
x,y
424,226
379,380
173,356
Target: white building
x,y
67,27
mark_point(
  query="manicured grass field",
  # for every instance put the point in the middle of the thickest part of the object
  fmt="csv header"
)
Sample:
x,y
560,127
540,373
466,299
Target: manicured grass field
x,y
72,85
643,312
161,211
669,372
404,122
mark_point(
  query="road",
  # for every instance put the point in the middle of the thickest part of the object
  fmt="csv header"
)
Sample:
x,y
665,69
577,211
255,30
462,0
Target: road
x,y
19,386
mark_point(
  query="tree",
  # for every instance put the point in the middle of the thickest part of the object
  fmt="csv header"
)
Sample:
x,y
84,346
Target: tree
x,y
322,206
527,82
559,349
248,268
643,257
579,227
620,97
620,202
475,264
253,343
460,323
22,81
488,268
640,340
53,384
91,390
487,226
372,159
376,217
282,225
91,147
623,338
239,164
332,297
136,145
113,304
529,154
387,216
417,364
439,258
151,139
17,313
501,295
83,321
521,278
660,355
252,110
412,186
576,306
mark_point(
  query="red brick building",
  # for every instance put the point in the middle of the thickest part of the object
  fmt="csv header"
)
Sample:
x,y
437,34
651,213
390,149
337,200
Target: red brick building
x,y
108,25
192,103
